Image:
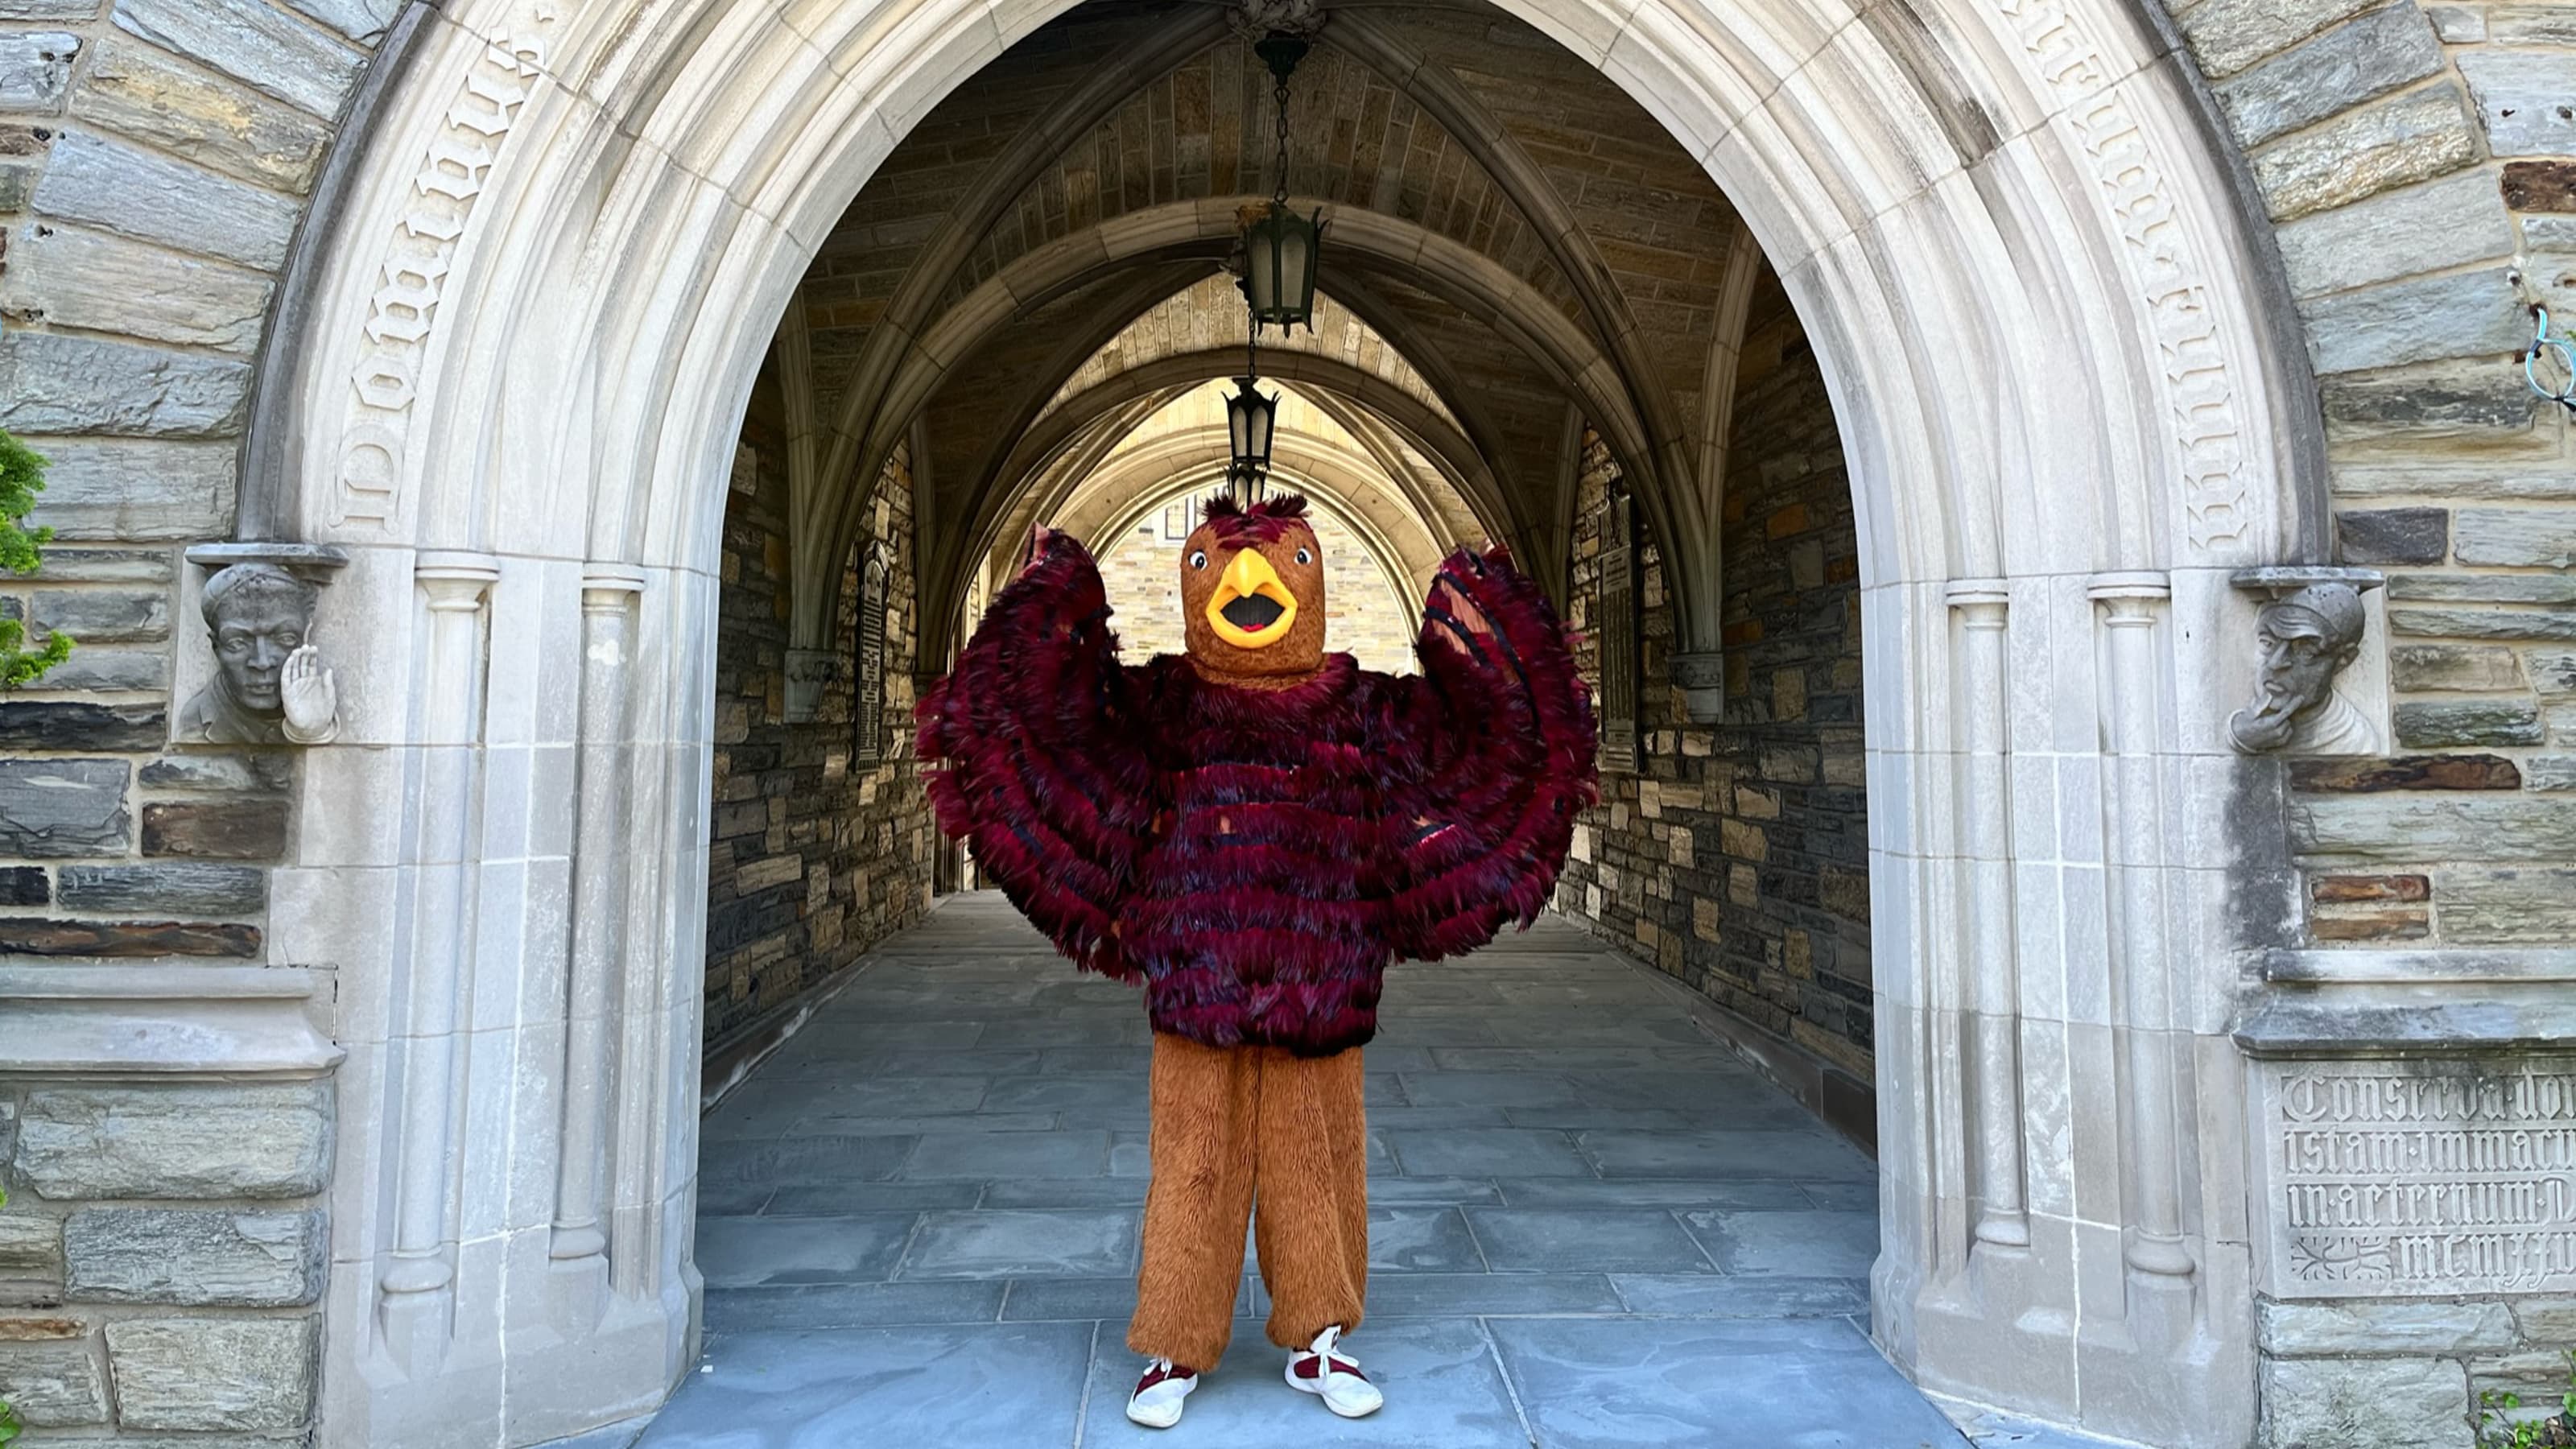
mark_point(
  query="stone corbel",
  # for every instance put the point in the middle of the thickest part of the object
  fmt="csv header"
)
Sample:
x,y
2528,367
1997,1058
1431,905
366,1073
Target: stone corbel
x,y
2311,628
267,683
1700,675
808,671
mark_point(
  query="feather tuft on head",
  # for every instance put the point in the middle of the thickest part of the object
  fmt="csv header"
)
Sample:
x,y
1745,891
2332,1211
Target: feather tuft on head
x,y
1265,520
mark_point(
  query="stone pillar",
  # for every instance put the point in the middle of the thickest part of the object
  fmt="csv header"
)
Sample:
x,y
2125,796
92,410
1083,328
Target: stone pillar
x,y
419,1278
579,1244
1994,988
2141,958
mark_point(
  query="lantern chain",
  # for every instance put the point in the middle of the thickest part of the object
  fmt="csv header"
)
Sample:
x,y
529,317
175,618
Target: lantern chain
x,y
1279,94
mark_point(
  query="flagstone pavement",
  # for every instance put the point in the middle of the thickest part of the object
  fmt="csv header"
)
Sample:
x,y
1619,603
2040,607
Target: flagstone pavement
x,y
1590,1225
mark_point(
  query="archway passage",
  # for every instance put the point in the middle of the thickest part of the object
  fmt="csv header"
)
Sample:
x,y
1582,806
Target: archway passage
x,y
1557,220
1594,1203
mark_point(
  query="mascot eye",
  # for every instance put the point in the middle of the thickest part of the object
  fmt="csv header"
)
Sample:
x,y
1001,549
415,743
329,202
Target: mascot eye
x,y
1198,558
1304,557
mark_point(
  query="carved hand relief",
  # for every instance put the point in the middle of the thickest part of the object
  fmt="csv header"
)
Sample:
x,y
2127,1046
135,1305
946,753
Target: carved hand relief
x,y
270,685
2308,634
2409,1178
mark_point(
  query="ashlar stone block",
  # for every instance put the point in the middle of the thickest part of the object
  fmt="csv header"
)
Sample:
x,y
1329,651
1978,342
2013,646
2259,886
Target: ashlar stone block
x,y
213,1375
2525,538
2315,1329
2523,99
105,616
2229,35
56,808
31,1247
2445,223
2426,401
2369,57
54,383
2469,722
2406,1403
2421,319
206,1257
2413,137
139,91
262,1141
35,68
179,888
99,181
2394,535
250,42
2465,668
57,724
50,1375
75,277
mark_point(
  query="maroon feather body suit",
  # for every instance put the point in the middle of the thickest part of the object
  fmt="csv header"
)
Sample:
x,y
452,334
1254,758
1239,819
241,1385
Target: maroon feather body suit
x,y
1258,857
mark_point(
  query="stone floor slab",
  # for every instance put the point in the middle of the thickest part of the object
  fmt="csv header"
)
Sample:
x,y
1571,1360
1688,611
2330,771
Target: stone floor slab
x,y
1661,1192
1594,1240
852,1305
1817,1244
864,1197
1488,1152
990,1386
1443,1295
1700,1296
1627,1383
1014,1243
1421,1240
774,1252
1801,1155
806,1161
1079,1152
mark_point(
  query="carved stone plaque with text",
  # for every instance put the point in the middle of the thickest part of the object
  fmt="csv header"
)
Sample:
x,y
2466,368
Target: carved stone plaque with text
x,y
2427,1177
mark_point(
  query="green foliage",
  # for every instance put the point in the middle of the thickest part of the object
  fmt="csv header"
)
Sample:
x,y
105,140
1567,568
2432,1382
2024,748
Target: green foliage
x,y
22,477
2498,1429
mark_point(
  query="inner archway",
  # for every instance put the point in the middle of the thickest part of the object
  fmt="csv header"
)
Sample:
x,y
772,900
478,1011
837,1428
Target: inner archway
x,y
1966,209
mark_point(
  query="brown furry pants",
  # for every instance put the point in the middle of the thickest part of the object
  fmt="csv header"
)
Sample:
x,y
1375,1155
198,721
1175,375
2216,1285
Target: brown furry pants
x,y
1230,1123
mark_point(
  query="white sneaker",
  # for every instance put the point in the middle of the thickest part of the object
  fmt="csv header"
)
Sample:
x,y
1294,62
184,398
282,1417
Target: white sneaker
x,y
1156,1404
1319,1369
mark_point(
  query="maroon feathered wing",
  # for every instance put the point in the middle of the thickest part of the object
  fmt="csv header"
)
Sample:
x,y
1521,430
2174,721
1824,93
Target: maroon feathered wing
x,y
1047,774
1488,755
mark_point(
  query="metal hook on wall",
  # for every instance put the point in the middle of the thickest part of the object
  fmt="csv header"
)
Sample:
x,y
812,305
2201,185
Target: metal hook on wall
x,y
2563,392
2543,344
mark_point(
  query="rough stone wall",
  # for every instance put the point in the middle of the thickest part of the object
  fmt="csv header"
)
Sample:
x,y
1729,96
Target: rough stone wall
x,y
2417,160
1142,573
816,854
1737,856
162,1256
162,1252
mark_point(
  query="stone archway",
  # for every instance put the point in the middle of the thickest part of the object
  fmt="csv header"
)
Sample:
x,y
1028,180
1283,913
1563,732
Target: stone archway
x,y
567,239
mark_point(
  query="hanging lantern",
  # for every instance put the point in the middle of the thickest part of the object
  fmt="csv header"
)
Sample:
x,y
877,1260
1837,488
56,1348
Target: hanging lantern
x,y
1251,415
1279,246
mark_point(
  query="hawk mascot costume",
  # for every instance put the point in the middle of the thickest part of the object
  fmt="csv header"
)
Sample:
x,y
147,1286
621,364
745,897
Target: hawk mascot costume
x,y
1254,831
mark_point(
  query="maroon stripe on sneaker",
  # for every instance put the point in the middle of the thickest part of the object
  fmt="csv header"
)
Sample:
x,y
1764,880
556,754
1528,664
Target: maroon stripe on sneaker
x,y
1307,1366
1158,1373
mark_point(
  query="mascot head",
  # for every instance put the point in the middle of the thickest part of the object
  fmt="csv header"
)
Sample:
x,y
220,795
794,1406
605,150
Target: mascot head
x,y
1252,589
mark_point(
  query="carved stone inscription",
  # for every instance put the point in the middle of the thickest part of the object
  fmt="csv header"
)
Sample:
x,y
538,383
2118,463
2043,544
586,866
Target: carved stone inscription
x,y
2396,1178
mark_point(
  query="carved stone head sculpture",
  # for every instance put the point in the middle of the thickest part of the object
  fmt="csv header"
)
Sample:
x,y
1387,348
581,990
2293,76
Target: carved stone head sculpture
x,y
269,685
2307,637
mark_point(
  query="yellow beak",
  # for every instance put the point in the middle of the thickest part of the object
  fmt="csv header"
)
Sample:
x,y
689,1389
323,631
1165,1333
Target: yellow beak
x,y
1249,576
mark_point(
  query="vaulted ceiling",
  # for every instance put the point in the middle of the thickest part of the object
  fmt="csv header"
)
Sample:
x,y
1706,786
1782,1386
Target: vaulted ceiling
x,y
1515,249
